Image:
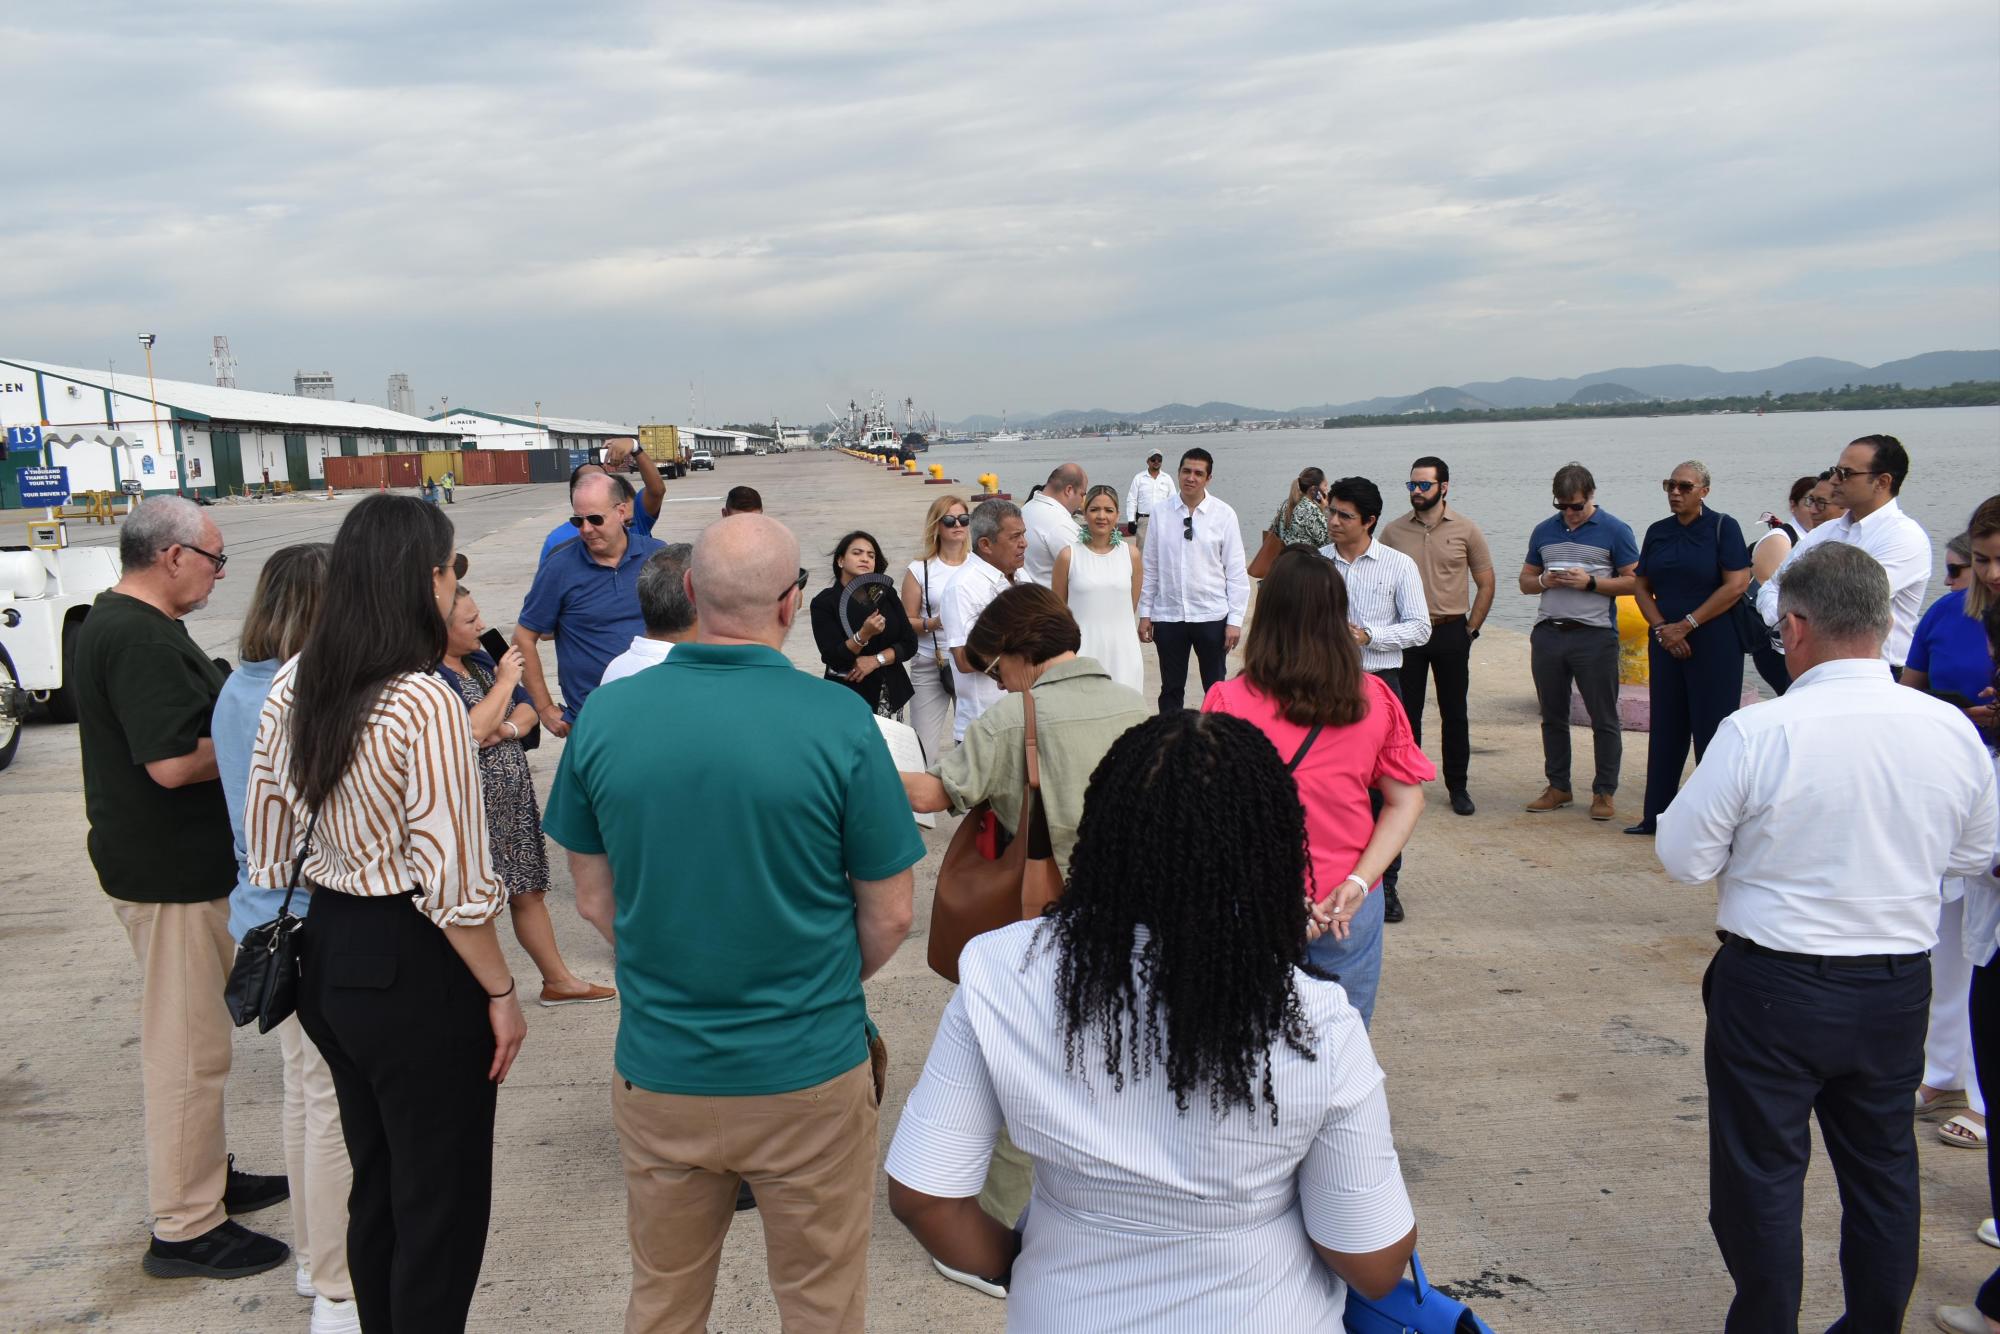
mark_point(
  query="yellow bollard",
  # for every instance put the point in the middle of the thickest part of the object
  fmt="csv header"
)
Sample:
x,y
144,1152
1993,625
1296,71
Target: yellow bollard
x,y
937,472
989,482
910,467
1632,641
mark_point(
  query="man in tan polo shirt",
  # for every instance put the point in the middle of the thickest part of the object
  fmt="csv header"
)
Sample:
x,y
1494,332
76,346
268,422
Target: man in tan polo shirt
x,y
1457,569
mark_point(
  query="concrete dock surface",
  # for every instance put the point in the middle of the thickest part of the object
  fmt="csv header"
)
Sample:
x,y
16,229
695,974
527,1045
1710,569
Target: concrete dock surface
x,y
1540,1023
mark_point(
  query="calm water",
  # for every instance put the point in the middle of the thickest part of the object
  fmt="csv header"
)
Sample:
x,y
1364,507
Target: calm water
x,y
1500,471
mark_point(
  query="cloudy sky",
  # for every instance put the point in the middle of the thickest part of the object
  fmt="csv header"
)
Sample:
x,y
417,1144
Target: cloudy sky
x,y
1026,205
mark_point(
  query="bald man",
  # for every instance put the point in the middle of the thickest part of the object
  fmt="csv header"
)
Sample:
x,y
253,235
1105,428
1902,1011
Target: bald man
x,y
586,597
743,1044
1051,520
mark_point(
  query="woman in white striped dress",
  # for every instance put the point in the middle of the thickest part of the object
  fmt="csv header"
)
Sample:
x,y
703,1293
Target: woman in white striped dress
x,y
1209,1133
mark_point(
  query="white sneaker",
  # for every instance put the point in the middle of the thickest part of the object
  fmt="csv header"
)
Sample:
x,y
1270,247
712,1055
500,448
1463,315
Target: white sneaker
x,y
973,1281
1989,1234
332,1317
302,1281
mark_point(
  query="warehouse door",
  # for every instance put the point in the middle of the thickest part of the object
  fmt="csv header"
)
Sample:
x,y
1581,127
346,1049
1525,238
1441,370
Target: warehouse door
x,y
227,447
296,470
349,447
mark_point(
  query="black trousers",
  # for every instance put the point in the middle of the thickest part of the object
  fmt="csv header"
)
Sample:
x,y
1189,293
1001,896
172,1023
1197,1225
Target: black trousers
x,y
1985,1009
1689,697
403,1026
1173,639
1393,678
1772,667
1787,1041
1448,656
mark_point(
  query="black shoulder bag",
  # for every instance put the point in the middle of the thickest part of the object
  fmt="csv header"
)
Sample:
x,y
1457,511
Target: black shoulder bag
x,y
264,981
938,658
1305,746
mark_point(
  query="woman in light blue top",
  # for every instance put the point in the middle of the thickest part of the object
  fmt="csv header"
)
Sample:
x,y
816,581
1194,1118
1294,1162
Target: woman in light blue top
x,y
282,612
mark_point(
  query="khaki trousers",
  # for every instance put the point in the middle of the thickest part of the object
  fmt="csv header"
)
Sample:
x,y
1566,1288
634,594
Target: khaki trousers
x,y
1010,1181
810,1156
184,953
316,1164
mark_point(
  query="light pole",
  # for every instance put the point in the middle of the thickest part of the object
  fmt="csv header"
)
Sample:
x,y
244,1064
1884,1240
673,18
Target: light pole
x,y
180,470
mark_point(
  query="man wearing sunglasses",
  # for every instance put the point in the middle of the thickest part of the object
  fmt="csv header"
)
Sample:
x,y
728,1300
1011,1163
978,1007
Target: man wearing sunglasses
x,y
160,841
1867,480
1457,569
643,479
586,597
1580,561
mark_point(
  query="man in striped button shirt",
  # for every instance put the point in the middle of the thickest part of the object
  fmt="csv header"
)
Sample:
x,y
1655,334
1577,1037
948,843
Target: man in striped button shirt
x,y
1386,609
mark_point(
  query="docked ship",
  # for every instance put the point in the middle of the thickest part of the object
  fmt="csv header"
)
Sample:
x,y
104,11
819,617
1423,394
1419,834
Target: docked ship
x,y
1003,436
870,430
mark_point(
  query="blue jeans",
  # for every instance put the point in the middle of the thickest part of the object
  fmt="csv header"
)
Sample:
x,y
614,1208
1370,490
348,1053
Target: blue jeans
x,y
1357,960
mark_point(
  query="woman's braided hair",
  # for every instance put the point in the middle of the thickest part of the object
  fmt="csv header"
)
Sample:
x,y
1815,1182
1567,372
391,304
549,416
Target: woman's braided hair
x,y
1192,828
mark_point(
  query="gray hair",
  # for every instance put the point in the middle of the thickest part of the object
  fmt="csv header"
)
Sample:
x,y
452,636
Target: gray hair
x,y
1961,547
1698,468
153,526
986,520
1841,591
663,598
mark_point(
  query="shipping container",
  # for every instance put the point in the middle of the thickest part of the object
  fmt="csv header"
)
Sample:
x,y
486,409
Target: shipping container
x,y
547,465
404,469
358,473
437,462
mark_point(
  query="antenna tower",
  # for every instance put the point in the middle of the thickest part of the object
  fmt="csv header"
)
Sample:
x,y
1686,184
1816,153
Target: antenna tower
x,y
223,364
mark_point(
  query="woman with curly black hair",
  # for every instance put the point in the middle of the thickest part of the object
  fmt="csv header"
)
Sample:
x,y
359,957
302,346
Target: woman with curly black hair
x,y
1207,1122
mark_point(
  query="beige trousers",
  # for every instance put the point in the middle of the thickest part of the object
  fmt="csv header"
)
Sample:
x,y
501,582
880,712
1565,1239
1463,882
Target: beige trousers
x,y
316,1164
1010,1181
810,1157
184,953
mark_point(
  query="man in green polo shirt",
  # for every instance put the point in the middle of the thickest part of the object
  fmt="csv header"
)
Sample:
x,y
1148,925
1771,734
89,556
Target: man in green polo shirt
x,y
746,916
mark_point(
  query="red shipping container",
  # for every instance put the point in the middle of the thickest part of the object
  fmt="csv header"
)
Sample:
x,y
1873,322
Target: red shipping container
x,y
476,469
510,468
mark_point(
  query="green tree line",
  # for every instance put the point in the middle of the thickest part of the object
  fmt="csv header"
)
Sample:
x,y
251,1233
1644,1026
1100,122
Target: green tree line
x,y
1847,398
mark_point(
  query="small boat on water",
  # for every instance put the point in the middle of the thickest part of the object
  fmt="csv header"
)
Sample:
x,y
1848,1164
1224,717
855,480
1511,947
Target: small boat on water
x,y
1003,436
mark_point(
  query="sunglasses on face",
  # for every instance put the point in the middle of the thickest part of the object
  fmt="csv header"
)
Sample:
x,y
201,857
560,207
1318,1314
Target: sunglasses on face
x,y
1679,488
1576,508
798,585
955,521
579,520
1953,571
1425,487
1841,474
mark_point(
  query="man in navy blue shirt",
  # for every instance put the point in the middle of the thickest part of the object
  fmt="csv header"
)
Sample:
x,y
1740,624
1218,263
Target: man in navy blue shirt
x,y
1580,561
585,596
648,488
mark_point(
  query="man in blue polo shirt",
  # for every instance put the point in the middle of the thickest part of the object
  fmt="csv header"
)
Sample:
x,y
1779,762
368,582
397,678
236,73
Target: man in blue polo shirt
x,y
743,936
648,488
1580,561
587,597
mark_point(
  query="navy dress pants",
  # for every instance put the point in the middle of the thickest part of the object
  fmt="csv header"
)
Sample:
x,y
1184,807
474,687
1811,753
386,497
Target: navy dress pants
x,y
1690,698
1173,640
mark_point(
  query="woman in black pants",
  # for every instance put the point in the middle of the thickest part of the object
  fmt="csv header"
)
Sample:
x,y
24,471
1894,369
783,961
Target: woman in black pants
x,y
365,775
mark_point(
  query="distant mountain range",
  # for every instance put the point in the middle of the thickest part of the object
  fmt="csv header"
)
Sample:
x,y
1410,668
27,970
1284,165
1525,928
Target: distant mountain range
x,y
1622,384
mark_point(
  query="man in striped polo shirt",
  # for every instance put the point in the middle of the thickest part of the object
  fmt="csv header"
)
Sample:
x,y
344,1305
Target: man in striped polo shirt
x,y
1580,561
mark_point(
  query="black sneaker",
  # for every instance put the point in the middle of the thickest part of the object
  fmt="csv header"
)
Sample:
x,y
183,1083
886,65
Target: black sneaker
x,y
229,1250
744,1199
1461,802
1392,905
247,1192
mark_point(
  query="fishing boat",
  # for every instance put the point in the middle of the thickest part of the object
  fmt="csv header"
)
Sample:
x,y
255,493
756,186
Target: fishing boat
x,y
1003,436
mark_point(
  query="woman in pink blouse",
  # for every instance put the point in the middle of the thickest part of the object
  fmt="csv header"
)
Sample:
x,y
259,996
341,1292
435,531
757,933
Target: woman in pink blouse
x,y
1343,732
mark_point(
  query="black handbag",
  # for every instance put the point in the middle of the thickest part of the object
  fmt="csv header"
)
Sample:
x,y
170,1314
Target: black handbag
x,y
264,981
938,658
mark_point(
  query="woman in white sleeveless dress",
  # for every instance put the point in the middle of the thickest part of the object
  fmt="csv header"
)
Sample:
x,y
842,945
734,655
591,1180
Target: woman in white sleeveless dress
x,y
925,585
1099,579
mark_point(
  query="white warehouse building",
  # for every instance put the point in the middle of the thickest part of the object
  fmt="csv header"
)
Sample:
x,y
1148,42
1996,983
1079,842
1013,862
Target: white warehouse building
x,y
109,429
503,430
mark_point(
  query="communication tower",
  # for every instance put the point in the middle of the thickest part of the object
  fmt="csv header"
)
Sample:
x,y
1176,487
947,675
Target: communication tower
x,y
223,364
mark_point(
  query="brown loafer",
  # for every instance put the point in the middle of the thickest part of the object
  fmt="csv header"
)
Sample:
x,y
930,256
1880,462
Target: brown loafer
x,y
591,996
1552,798
1600,806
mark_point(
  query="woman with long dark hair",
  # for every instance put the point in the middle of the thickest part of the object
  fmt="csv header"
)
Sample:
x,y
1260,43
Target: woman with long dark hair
x,y
871,659
1207,1122
1346,737
364,774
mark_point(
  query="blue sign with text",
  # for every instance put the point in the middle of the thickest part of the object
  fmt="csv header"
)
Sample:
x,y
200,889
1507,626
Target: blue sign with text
x,y
44,486
22,437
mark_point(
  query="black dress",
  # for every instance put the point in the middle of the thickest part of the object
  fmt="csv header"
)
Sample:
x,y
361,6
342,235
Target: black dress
x,y
887,689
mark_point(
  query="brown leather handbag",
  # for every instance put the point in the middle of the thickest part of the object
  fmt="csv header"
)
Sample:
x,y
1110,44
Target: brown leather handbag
x,y
976,895
1267,553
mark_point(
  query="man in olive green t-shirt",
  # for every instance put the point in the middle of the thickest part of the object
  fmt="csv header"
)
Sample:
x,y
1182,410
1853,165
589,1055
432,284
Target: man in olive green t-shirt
x,y
746,915
160,840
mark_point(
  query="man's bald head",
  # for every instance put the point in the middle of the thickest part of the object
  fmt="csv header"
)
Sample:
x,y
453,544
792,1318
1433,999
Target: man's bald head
x,y
743,567
595,493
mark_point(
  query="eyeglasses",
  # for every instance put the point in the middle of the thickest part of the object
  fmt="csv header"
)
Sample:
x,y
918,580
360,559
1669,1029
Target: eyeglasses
x,y
1953,571
1816,502
1841,474
1187,532
1425,487
1343,516
579,520
1577,507
798,585
955,521
220,561
992,669
1678,487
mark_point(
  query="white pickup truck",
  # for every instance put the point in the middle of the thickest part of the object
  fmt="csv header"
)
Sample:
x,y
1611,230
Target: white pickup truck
x,y
44,596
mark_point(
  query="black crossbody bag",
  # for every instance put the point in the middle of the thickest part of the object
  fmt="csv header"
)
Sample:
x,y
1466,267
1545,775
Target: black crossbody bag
x,y
937,654
264,981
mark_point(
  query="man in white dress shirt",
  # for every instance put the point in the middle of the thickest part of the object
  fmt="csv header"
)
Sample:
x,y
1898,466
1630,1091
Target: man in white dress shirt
x,y
667,609
1195,586
1827,818
1867,480
1151,488
1051,520
999,539
1386,611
